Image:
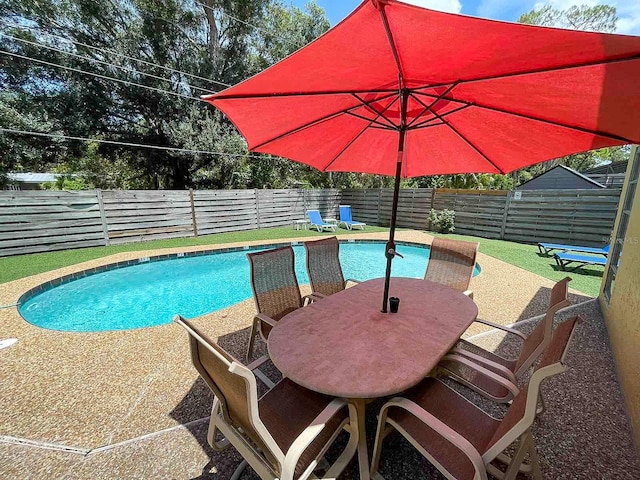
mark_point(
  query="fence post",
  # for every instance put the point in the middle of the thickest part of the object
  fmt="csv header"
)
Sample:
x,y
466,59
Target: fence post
x,y
257,193
379,202
193,213
103,217
507,204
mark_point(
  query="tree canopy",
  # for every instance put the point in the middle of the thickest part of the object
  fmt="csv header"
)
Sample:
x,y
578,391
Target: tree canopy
x,y
129,73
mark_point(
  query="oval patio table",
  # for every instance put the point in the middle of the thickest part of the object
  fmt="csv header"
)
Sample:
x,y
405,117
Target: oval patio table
x,y
344,346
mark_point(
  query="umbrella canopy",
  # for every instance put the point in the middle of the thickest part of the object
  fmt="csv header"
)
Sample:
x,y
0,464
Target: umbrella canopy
x,y
396,89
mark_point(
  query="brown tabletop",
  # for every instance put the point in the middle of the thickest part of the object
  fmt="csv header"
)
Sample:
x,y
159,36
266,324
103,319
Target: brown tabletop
x,y
345,347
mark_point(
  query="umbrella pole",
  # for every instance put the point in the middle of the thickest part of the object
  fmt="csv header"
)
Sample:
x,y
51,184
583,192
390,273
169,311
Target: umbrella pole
x,y
391,246
390,250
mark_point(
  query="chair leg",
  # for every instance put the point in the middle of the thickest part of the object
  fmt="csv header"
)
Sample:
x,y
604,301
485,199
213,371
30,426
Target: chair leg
x,y
381,433
526,443
350,450
238,471
213,429
252,337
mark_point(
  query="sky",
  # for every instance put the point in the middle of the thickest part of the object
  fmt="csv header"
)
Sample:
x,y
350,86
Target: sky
x,y
509,10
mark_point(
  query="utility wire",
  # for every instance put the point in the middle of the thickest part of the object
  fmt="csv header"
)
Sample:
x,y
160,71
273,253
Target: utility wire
x,y
114,52
126,69
126,82
125,144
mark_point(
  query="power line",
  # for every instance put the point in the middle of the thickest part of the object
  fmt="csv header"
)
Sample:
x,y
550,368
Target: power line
x,y
126,82
125,144
114,52
127,69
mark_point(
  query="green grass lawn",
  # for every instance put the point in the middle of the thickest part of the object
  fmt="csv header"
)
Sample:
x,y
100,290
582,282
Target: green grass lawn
x,y
586,280
12,268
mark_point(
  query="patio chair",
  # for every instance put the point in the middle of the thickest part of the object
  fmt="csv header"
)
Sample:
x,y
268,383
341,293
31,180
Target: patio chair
x,y
451,263
275,290
323,267
347,219
468,363
315,221
461,440
547,248
282,435
563,260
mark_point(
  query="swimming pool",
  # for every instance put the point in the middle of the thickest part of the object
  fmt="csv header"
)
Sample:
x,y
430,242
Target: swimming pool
x,y
149,292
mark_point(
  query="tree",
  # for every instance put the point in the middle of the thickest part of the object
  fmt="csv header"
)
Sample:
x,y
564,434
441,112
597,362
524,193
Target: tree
x,y
216,39
601,18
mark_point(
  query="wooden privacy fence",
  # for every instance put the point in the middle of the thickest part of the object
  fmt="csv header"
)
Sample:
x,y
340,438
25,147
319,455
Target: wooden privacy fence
x,y
40,221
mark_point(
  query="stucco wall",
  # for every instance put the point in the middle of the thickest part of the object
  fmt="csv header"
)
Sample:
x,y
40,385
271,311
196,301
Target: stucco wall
x,y
622,313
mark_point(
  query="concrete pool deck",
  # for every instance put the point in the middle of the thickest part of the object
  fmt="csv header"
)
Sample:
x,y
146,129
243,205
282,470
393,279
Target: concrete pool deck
x,y
127,404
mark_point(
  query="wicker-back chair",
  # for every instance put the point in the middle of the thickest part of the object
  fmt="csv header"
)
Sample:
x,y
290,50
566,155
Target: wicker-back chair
x,y
275,289
460,439
451,263
285,433
467,361
323,267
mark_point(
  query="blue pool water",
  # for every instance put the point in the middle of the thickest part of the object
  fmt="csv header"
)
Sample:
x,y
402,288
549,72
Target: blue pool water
x,y
150,294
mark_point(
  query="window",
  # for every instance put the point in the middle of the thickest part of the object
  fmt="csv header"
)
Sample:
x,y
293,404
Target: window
x,y
616,248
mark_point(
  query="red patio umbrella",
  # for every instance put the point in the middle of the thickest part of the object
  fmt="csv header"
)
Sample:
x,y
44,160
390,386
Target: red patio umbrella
x,y
395,89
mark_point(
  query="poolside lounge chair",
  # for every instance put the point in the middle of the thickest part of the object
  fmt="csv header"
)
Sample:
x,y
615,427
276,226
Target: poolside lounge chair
x,y
460,439
547,248
564,259
323,267
468,363
315,221
282,435
451,263
275,289
347,219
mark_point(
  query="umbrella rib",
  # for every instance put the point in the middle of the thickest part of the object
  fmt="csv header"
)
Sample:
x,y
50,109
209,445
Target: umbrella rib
x,y
467,141
312,123
592,63
424,123
542,120
382,125
392,44
324,169
220,96
373,110
427,108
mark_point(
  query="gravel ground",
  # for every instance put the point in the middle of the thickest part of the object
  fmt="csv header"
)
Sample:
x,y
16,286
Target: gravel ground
x,y
129,404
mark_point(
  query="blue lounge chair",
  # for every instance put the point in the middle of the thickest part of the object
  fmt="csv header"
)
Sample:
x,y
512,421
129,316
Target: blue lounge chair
x,y
315,220
345,217
564,259
547,248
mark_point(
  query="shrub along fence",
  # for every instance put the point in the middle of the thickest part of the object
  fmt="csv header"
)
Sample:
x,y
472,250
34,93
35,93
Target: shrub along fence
x,y
40,221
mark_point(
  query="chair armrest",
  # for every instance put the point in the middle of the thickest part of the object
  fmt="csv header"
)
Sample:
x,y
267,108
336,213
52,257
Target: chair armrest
x,y
468,293
481,361
312,297
502,327
266,319
509,385
442,429
308,435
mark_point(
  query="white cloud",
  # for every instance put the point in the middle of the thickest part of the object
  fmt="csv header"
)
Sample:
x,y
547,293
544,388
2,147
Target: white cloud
x,y
628,10
453,6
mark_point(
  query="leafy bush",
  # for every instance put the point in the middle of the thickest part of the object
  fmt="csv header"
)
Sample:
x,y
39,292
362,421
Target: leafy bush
x,y
443,221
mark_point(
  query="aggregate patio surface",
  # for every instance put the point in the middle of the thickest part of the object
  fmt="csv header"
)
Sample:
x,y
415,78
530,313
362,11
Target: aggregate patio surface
x,y
130,405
